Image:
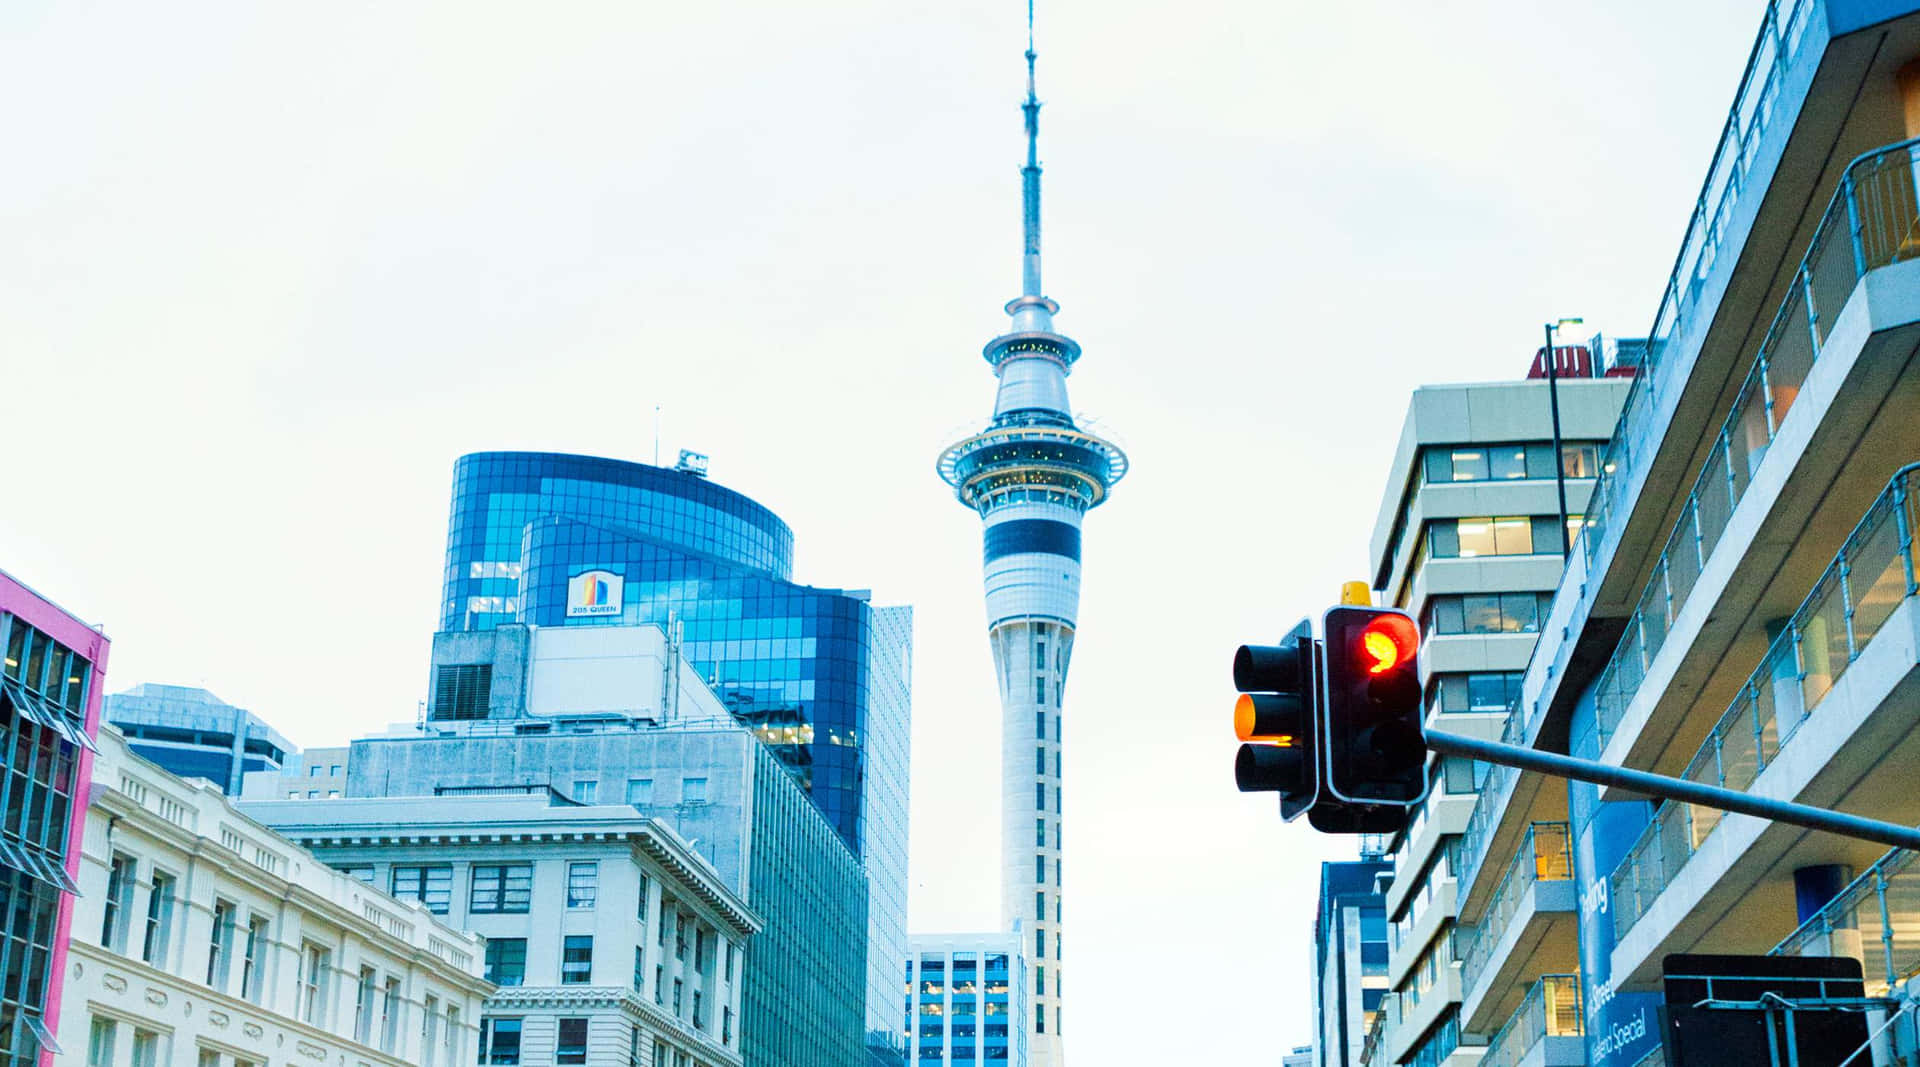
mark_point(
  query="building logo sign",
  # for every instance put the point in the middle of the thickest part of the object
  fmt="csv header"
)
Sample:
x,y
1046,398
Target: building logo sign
x,y
595,593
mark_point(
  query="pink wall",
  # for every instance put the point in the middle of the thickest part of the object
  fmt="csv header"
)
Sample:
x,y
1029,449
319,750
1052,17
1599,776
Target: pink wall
x,y
46,616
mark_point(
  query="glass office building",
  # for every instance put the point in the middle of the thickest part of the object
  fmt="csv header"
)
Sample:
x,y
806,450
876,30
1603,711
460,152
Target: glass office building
x,y
50,681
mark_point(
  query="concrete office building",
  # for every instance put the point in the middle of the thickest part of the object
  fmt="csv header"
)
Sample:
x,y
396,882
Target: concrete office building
x,y
1349,955
577,541
1467,542
1740,607
308,774
203,938
613,715
1032,474
51,679
966,998
610,940
195,734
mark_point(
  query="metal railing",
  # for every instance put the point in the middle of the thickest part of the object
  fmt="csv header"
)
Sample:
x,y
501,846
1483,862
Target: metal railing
x,y
1870,223
1871,576
1871,920
1782,30
1552,1008
1494,789
1544,855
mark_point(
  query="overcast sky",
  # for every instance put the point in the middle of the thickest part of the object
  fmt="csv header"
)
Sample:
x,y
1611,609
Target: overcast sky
x,y
267,269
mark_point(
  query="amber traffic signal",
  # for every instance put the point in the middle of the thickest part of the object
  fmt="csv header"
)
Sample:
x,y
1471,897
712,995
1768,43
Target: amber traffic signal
x,y
1275,718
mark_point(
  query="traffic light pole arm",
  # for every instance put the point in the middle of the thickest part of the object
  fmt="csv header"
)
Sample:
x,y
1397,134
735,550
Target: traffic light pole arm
x,y
1665,788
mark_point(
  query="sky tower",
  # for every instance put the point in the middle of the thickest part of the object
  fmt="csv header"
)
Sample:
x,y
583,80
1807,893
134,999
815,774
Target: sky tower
x,y
1032,474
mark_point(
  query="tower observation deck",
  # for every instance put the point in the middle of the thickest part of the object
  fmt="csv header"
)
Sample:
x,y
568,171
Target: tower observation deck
x,y
1032,474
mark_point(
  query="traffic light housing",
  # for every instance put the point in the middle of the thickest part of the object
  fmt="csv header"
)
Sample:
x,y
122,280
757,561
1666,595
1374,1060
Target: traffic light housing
x,y
1375,751
1276,718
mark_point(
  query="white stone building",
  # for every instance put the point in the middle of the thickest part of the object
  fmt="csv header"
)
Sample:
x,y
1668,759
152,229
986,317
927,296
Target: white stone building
x,y
612,942
203,939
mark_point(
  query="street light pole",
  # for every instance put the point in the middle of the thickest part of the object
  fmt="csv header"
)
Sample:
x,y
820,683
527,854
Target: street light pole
x,y
1559,458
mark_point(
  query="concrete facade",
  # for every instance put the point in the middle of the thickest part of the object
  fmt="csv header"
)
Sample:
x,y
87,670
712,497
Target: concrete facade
x,y
203,938
1349,959
967,998
1469,455
609,939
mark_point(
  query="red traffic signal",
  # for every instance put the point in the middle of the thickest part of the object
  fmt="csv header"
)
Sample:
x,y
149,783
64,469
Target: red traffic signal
x,y
1375,752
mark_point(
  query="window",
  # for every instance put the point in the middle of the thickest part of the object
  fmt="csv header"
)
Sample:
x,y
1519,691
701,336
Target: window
x,y
641,910
693,791
639,968
363,1007
431,886
100,1037
680,925
1040,868
153,944
462,691
1478,692
1580,461
1505,535
639,791
1040,730
1040,796
729,971
678,987
1039,980
1507,462
500,1041
1458,775
1040,904
506,960
502,890
699,951
113,925
699,1016
390,1011
586,790
576,960
250,977
572,1044
146,1048
362,872
1040,943
313,772
1040,760
659,984
726,1026
1040,832
1492,613
583,884
314,963
429,1031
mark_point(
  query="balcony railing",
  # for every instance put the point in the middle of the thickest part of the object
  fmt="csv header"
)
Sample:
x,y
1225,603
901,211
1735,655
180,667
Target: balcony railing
x,y
1491,801
1871,222
1551,1009
1545,855
1872,917
1873,573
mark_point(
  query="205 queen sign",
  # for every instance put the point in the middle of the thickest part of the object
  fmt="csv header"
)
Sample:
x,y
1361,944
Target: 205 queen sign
x,y
595,593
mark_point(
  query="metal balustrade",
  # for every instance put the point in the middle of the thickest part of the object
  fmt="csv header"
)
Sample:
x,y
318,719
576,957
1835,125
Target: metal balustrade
x,y
1544,855
1872,920
1871,576
1552,1008
1872,221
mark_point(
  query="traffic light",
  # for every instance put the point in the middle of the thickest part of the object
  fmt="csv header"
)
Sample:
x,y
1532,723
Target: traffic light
x,y
1376,754
1276,718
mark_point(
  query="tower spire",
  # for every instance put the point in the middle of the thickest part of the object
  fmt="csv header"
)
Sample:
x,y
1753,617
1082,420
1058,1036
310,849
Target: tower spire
x,y
1030,179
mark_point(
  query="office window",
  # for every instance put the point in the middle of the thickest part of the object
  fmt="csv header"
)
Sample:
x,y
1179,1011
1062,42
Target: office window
x,y
640,791
312,984
1040,760
1040,868
431,886
1040,832
506,960
1039,653
501,890
500,1042
251,957
100,1038
461,691
576,960
153,943
583,884
313,772
1040,904
1040,942
693,790
571,1046
119,898
1504,535
1039,980
1040,796
586,790
1484,691
363,1007
1490,613
1580,461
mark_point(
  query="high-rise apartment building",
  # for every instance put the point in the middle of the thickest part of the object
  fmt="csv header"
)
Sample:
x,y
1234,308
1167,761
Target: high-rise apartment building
x,y
609,939
204,939
967,999
1349,955
578,541
1740,607
1031,475
50,684
1467,542
195,734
